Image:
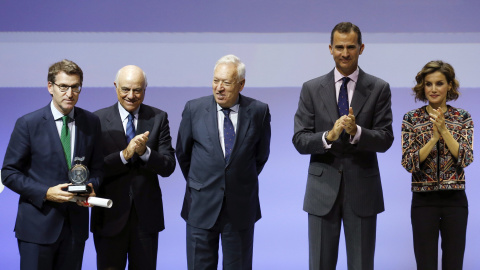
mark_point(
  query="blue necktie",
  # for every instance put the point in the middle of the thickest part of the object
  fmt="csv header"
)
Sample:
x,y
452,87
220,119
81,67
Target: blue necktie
x,y
343,97
228,134
130,128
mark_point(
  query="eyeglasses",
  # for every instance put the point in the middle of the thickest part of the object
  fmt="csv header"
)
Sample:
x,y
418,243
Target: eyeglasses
x,y
64,88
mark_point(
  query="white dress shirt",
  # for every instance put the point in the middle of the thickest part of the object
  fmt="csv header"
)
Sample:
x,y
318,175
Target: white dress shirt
x,y
57,115
350,90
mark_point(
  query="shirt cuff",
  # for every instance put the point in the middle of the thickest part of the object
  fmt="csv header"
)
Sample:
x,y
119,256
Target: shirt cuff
x,y
123,158
356,138
146,155
324,140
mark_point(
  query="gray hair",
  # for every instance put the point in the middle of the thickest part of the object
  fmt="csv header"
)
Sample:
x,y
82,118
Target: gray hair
x,y
232,59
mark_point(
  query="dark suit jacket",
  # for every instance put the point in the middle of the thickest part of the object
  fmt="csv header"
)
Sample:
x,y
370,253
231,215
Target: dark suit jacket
x,y
316,114
135,181
35,161
209,179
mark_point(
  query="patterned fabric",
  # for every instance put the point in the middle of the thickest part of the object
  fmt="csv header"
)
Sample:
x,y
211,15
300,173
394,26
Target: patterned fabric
x,y
228,134
130,130
343,97
440,170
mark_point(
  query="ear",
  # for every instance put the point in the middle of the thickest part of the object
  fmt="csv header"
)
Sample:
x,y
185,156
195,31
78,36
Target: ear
x,y
330,48
242,84
361,48
50,88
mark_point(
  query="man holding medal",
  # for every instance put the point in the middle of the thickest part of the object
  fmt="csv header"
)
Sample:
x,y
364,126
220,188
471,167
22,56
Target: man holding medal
x,y
51,232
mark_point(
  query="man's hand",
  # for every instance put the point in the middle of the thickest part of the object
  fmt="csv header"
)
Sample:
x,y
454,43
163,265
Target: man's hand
x,y
56,194
141,142
336,130
349,123
137,145
91,194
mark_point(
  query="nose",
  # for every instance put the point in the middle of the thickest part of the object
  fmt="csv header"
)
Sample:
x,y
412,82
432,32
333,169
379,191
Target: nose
x,y
69,92
219,86
130,94
345,53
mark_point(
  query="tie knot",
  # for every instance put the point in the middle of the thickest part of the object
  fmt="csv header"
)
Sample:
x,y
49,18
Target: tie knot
x,y
130,117
345,80
65,119
226,112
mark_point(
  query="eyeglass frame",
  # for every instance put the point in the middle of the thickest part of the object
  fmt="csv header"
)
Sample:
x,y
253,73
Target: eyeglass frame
x,y
65,88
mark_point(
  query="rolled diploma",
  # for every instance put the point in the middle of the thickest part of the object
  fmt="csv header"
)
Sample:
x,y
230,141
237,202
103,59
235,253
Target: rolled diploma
x,y
95,201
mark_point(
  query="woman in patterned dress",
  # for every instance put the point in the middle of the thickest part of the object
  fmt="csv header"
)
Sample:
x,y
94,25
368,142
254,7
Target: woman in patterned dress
x,y
437,143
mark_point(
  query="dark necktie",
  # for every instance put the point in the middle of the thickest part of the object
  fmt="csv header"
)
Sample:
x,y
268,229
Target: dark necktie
x,y
343,97
228,134
65,138
130,128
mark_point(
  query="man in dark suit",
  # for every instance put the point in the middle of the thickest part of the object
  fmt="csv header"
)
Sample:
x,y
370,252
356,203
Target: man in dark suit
x,y
343,119
136,148
223,143
51,232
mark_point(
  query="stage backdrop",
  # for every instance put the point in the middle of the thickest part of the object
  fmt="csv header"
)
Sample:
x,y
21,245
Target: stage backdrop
x,y
283,44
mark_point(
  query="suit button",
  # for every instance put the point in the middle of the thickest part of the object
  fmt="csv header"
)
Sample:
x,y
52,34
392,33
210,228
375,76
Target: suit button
x,y
222,188
340,171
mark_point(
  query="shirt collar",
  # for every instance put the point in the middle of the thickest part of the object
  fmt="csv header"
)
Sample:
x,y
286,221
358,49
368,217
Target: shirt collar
x,y
353,76
124,113
58,115
234,108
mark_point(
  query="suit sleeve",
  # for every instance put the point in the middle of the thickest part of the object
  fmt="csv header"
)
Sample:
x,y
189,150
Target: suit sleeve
x,y
162,158
96,164
305,138
185,141
263,148
15,164
379,137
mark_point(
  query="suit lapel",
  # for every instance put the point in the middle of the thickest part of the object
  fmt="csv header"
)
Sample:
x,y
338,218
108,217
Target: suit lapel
x,y
79,136
328,94
145,120
362,91
53,133
243,123
114,127
211,123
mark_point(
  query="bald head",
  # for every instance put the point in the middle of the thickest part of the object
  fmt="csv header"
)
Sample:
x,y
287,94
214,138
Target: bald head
x,y
129,71
130,83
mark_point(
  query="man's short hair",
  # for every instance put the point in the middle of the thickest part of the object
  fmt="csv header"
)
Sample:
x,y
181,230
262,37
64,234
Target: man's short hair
x,y
67,66
431,67
346,27
232,59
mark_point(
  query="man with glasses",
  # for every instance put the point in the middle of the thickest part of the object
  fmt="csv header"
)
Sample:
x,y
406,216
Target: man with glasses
x,y
137,148
223,143
51,232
